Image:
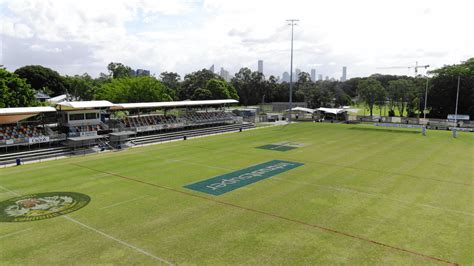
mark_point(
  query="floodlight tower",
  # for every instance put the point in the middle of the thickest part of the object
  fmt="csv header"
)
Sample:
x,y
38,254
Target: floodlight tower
x,y
292,23
426,94
456,110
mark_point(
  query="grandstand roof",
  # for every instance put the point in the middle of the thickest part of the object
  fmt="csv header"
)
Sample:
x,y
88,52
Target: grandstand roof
x,y
121,106
13,115
332,110
84,105
303,109
58,99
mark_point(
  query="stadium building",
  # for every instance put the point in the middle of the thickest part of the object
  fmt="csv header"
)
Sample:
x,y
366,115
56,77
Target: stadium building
x,y
79,127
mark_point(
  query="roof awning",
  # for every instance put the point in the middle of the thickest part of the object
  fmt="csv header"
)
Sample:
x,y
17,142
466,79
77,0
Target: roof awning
x,y
85,105
332,110
303,109
83,138
121,106
13,115
122,133
57,99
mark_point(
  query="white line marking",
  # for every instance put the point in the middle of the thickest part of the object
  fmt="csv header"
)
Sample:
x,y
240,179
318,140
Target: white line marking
x,y
377,195
338,189
97,231
117,240
15,233
199,164
122,202
11,191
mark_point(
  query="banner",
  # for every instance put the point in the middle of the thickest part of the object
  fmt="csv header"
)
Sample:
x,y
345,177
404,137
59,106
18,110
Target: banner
x,y
398,125
459,117
88,133
40,139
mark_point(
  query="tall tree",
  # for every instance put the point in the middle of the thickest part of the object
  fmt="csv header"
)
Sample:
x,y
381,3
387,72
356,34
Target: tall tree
x,y
442,95
381,99
274,94
14,91
218,89
130,90
81,87
119,70
201,94
401,92
370,90
43,79
194,81
250,86
242,81
172,82
304,87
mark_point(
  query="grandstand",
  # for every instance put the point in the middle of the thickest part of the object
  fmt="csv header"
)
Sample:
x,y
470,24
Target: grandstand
x,y
76,127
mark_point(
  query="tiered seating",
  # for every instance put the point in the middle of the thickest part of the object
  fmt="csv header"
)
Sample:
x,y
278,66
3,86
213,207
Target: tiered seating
x,y
18,133
208,116
189,118
148,120
85,128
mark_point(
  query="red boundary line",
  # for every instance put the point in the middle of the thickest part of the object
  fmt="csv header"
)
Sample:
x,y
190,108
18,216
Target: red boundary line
x,y
278,216
358,168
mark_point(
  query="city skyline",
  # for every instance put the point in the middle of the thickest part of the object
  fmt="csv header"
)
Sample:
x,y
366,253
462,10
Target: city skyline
x,y
73,37
285,77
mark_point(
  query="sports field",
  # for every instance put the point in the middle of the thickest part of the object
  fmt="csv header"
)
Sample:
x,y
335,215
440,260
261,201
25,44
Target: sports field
x,y
344,194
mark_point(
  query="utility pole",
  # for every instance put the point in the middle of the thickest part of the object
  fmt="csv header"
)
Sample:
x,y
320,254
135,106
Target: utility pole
x,y
292,23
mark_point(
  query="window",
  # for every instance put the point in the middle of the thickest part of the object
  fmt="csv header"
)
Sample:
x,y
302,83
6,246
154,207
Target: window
x,y
91,115
76,117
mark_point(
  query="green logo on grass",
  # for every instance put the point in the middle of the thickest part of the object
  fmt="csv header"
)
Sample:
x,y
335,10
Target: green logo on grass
x,y
274,147
282,146
41,206
224,183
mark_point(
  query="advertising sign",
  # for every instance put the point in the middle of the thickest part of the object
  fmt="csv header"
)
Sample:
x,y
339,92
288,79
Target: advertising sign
x,y
40,139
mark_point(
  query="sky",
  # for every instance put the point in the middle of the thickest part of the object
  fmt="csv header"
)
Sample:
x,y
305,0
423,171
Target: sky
x,y
76,37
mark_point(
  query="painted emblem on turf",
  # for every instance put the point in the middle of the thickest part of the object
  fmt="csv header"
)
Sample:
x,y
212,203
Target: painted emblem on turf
x,y
224,183
281,146
41,206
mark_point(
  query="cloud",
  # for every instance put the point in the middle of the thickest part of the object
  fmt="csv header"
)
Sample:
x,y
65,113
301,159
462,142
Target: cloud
x,y
187,35
69,59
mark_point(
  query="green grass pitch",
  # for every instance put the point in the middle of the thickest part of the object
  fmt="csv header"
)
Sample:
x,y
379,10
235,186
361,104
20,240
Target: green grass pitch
x,y
364,196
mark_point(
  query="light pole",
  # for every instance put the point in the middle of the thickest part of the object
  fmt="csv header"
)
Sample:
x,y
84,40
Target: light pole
x,y
456,111
426,97
292,23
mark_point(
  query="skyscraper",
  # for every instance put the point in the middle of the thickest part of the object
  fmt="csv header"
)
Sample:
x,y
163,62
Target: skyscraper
x,y
142,72
260,66
225,74
285,77
297,75
313,75
344,73
320,77
212,68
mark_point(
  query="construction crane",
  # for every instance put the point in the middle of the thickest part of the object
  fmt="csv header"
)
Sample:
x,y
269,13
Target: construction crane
x,y
416,66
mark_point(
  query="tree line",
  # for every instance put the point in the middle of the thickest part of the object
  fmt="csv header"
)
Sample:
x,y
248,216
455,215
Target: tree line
x,y
401,95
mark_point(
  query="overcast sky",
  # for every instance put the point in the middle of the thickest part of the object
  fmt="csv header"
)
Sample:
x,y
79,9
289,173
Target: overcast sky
x,y
80,36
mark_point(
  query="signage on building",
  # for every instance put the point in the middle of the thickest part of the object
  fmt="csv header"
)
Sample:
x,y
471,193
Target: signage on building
x,y
88,133
459,117
40,139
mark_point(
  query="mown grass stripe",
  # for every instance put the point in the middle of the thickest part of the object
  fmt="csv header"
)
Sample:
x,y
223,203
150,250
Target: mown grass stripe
x,y
327,229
